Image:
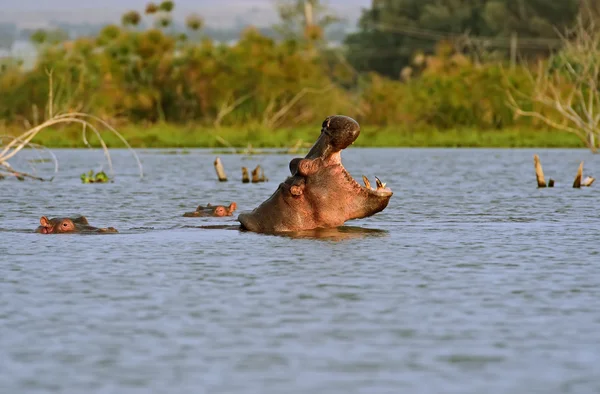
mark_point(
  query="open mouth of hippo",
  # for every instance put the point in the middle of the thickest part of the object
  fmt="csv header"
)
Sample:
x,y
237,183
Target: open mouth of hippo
x,y
320,193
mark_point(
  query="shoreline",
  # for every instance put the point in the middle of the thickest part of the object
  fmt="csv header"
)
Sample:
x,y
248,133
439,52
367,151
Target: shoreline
x,y
169,136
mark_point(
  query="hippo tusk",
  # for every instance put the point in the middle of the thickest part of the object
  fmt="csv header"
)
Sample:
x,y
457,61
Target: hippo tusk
x,y
380,185
366,181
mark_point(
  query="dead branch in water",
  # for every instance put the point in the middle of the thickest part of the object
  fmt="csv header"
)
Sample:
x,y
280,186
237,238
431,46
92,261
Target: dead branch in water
x,y
35,148
16,144
578,182
220,170
587,181
539,173
20,175
245,176
24,140
258,175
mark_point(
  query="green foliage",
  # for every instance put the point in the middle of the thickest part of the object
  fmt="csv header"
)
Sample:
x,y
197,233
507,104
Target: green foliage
x,y
151,8
131,18
259,89
390,32
194,22
164,21
166,6
90,177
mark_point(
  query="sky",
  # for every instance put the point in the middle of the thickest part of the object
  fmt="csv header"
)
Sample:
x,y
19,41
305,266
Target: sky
x,y
215,12
32,5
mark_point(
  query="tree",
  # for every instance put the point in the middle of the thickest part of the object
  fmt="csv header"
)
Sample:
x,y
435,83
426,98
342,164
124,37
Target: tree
x,y
531,18
194,22
131,18
303,18
164,21
53,36
565,92
166,6
151,8
391,31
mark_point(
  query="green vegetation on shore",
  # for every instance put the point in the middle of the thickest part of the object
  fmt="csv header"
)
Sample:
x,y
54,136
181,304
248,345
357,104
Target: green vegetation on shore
x,y
406,87
172,136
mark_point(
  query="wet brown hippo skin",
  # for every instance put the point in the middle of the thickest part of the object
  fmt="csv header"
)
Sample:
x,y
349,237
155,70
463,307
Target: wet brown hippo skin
x,y
320,193
212,210
69,225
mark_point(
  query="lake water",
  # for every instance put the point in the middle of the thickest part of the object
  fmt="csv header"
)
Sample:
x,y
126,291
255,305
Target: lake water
x,y
476,281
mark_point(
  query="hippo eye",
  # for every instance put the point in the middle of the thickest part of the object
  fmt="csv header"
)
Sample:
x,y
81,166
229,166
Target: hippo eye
x,y
65,224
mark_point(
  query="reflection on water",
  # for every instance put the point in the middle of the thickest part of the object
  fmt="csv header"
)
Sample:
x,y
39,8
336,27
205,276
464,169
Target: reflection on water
x,y
336,234
326,234
456,287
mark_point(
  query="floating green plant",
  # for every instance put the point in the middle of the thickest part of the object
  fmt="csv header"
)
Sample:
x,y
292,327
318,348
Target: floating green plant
x,y
90,177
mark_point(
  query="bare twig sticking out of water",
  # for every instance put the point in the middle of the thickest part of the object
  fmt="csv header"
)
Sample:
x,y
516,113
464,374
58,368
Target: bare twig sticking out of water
x,y
18,174
577,183
37,149
85,120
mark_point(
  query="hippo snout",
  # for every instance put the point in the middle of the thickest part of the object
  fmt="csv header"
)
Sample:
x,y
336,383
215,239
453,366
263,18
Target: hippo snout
x,y
342,131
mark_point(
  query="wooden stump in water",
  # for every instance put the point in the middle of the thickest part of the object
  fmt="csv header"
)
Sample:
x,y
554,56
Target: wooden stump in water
x,y
220,170
577,183
245,176
587,181
258,175
539,173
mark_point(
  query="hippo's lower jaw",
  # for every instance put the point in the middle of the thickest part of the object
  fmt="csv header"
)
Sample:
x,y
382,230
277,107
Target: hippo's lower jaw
x,y
320,193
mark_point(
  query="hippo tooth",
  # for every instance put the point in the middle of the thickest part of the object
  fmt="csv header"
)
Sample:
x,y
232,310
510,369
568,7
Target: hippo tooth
x,y
366,181
379,184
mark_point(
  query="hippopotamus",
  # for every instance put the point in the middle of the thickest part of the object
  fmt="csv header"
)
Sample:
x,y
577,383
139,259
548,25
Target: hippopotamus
x,y
69,225
212,210
320,193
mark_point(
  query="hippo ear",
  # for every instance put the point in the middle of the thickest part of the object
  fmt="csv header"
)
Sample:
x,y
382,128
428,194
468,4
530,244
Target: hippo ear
x,y
44,222
80,220
232,207
294,165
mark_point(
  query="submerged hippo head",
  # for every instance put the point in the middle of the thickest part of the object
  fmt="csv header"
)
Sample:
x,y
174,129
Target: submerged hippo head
x,y
69,225
212,210
320,193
